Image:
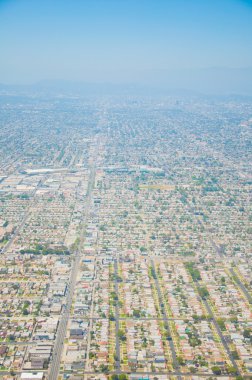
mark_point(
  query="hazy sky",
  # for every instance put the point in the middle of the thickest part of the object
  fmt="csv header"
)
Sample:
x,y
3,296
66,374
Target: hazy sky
x,y
121,40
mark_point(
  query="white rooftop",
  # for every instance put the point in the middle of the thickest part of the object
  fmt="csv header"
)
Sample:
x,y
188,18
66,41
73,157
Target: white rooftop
x,y
32,375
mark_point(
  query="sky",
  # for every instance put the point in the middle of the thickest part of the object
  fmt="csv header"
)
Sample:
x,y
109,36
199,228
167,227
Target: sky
x,y
173,42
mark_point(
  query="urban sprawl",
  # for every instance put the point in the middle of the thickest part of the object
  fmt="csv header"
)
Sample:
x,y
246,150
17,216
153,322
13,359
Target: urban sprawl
x,y
125,238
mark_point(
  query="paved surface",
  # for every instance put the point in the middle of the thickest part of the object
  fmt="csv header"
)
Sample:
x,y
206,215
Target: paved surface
x,y
118,354
90,326
25,217
61,332
165,319
33,343
222,338
242,287
186,374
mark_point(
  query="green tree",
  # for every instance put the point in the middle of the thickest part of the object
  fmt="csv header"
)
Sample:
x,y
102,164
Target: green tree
x,y
247,333
181,361
122,376
232,370
136,313
203,292
104,368
221,323
121,335
216,370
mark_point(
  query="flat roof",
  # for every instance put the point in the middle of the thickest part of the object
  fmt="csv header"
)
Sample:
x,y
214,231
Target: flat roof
x,y
32,375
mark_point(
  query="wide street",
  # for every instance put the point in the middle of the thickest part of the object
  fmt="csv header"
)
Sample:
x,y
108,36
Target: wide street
x,y
61,331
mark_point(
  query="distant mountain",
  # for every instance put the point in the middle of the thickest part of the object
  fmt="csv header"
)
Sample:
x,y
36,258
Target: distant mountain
x,y
69,88
214,81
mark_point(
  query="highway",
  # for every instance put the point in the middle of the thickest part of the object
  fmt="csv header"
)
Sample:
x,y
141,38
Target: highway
x,y
118,355
142,373
62,327
91,320
178,374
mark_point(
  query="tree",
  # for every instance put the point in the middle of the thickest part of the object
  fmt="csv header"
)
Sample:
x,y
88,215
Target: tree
x,y
25,312
104,368
232,370
216,370
114,377
235,355
203,292
122,376
181,361
221,323
194,272
121,335
136,313
246,333
192,369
